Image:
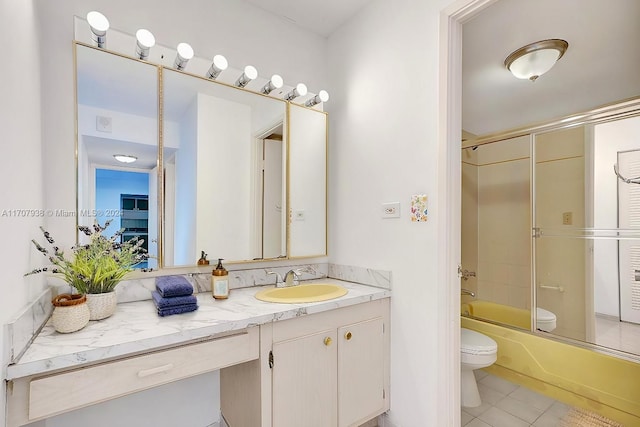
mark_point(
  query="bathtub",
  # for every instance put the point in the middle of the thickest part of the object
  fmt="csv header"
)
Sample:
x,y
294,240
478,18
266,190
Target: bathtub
x,y
506,315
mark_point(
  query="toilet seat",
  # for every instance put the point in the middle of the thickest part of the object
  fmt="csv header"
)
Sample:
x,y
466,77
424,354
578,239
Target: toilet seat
x,y
475,343
545,320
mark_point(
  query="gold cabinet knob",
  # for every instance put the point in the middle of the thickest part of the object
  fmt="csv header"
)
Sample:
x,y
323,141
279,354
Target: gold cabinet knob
x,y
348,336
327,341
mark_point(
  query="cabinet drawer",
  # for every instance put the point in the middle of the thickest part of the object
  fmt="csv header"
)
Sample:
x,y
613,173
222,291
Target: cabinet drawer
x,y
72,390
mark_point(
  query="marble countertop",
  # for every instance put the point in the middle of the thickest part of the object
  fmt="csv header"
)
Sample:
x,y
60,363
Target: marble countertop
x,y
135,327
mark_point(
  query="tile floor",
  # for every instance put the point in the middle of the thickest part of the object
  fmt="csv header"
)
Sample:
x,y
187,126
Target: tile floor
x,y
619,335
505,404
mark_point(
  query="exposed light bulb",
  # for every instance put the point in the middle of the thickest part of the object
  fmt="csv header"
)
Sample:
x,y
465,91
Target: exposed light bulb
x,y
249,74
322,96
276,82
185,53
99,24
144,42
299,90
219,65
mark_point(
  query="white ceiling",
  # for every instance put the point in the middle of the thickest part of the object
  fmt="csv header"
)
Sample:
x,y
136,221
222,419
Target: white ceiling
x,y
602,64
322,17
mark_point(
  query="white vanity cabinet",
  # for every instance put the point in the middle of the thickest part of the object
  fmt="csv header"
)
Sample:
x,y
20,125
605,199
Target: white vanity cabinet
x,y
329,369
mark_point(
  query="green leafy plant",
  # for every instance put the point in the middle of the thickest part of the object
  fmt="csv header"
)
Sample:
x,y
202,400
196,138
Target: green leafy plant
x,y
96,267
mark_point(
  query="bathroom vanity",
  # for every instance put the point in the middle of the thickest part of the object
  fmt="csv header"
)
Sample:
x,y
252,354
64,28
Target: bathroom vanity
x,y
326,362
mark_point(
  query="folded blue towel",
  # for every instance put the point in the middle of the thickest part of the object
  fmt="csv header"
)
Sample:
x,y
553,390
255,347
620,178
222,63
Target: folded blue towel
x,y
173,286
178,309
172,301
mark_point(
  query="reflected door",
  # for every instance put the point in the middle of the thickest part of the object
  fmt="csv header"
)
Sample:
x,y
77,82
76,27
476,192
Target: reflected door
x,y
629,250
272,229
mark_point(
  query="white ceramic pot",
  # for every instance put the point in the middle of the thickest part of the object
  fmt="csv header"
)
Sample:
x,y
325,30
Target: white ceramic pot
x,y
101,306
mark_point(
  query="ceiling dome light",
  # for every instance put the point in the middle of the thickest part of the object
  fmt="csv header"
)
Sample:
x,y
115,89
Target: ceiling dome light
x,y
125,158
535,59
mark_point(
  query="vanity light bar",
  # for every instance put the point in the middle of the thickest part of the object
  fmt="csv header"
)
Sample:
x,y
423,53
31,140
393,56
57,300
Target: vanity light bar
x,y
99,24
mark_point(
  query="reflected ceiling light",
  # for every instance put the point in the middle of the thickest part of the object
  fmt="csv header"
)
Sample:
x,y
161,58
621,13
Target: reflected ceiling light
x,y
219,65
322,96
299,90
276,82
185,53
99,25
144,42
535,59
249,74
125,158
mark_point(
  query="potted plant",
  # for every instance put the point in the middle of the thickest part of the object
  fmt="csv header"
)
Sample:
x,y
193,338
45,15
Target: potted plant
x,y
96,267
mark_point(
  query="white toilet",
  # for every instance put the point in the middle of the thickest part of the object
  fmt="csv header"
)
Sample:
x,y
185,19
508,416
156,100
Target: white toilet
x,y
545,320
476,351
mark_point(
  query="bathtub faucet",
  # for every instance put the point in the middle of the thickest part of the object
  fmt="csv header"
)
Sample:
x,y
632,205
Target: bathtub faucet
x,y
467,292
465,274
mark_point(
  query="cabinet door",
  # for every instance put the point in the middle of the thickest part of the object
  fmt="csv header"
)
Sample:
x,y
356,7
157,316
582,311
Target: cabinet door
x,y
305,382
360,371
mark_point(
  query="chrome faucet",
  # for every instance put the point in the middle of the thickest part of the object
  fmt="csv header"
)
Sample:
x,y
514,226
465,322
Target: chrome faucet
x,y
467,292
291,278
279,281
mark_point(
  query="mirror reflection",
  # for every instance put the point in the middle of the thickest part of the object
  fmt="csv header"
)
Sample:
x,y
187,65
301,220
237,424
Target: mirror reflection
x,y
117,110
224,157
589,249
308,182
556,209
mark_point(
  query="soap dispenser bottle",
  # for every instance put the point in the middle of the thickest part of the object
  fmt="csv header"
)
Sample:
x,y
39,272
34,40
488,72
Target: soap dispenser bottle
x,y
220,281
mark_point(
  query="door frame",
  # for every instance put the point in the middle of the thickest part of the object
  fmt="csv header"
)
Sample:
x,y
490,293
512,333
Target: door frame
x,y
449,193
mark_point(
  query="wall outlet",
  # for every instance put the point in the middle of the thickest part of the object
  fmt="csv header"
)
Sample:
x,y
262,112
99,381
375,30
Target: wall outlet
x,y
391,210
567,218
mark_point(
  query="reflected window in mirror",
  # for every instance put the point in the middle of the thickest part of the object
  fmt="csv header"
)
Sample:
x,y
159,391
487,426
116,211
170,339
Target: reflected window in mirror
x,y
117,146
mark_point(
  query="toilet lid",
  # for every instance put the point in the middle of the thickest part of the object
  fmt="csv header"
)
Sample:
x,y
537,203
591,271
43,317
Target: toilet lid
x,y
473,342
544,315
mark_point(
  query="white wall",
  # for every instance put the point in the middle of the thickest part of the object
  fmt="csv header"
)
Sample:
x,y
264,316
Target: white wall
x,y
42,79
609,138
224,179
383,68
235,29
186,171
21,176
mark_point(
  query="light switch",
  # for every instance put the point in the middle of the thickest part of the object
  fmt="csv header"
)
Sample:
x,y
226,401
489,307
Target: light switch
x,y
391,210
